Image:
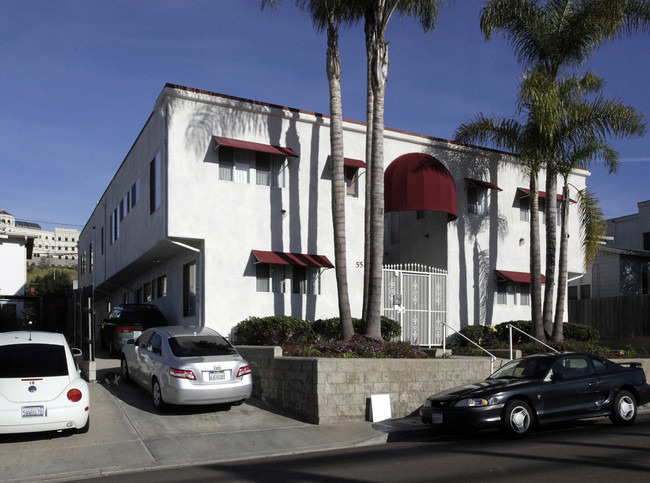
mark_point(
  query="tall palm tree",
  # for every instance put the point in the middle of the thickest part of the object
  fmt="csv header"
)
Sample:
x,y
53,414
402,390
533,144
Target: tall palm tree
x,y
557,34
329,15
377,14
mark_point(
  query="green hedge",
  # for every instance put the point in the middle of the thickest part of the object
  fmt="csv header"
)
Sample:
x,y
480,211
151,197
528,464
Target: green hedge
x,y
273,330
501,333
278,330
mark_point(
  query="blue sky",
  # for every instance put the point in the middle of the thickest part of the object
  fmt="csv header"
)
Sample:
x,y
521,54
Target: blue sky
x,y
80,78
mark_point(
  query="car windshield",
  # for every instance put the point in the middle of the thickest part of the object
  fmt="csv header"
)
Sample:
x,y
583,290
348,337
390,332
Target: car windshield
x,y
529,368
32,360
200,346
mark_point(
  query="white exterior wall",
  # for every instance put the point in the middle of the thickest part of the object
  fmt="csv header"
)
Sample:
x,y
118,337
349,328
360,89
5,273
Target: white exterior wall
x,y
218,223
13,275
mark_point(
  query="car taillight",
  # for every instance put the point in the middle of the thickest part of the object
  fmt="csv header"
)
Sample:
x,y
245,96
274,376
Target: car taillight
x,y
127,329
74,395
182,374
243,371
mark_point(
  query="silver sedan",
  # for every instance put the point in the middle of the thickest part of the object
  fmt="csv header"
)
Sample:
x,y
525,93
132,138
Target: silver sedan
x,y
187,365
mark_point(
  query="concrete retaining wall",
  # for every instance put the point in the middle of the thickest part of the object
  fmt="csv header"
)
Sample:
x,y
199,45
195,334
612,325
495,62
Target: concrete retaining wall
x,y
324,390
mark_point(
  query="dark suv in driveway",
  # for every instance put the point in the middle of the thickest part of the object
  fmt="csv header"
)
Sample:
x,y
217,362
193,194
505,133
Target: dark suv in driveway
x,y
126,322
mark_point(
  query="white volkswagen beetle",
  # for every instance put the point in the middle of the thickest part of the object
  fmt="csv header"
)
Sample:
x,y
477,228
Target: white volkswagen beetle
x,y
41,388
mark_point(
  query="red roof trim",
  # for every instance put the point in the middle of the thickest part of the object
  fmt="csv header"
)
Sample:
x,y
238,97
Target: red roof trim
x,y
258,147
542,194
516,277
353,163
286,258
483,184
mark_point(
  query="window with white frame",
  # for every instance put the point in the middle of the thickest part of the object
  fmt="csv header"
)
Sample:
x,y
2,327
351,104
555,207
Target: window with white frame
x,y
306,280
351,181
524,207
244,166
477,197
511,293
270,278
155,183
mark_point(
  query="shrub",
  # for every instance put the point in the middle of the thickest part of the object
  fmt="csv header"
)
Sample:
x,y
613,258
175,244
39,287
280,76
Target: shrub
x,y
330,329
360,346
274,330
580,332
480,334
503,331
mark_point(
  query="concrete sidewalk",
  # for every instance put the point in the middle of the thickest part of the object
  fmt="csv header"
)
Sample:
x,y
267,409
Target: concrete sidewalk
x,y
126,434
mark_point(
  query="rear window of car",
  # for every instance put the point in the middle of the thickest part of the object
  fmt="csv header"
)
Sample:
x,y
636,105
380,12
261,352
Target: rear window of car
x,y
145,318
199,346
32,360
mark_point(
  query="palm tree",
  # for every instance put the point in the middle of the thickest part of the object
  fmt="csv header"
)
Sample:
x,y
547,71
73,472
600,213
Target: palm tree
x,y
377,14
329,15
557,34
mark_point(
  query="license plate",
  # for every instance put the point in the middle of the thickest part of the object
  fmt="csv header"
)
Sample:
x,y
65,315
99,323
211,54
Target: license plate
x,y
436,418
216,375
29,411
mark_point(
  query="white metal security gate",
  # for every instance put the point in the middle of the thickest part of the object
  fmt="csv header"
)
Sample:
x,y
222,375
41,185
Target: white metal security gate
x,y
416,296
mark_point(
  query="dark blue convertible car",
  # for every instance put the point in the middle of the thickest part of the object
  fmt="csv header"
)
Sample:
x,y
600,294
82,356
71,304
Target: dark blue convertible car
x,y
540,389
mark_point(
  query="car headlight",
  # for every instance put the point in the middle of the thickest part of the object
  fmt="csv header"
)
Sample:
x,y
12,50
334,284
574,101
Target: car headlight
x,y
427,403
471,403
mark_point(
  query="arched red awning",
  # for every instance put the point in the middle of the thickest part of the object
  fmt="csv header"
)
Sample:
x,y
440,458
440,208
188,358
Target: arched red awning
x,y
418,181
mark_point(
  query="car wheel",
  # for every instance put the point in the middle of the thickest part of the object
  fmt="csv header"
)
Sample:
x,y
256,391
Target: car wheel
x,y
156,395
624,409
125,371
517,418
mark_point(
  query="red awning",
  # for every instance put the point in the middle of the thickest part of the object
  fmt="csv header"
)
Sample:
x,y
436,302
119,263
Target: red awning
x,y
286,258
353,163
542,194
258,147
483,184
418,181
516,277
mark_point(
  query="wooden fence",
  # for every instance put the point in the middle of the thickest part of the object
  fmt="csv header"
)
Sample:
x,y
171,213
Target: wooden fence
x,y
614,317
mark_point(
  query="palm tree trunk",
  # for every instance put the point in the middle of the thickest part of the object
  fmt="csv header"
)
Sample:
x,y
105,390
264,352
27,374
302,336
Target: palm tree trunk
x,y
379,75
338,177
550,216
369,31
558,333
535,260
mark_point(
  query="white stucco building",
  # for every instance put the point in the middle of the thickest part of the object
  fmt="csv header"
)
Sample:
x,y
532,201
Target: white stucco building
x,y
15,249
222,210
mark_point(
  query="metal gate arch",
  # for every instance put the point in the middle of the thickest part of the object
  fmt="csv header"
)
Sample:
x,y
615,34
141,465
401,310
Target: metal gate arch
x,y
416,296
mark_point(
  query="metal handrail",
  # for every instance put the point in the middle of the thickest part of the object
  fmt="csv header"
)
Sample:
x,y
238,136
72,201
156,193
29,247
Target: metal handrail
x,y
510,327
444,348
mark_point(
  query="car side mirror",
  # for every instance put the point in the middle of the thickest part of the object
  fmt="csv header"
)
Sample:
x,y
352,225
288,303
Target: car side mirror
x,y
130,341
76,352
557,376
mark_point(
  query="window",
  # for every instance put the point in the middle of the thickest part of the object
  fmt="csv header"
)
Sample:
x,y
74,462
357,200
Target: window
x,y
524,208
306,280
263,277
148,295
236,165
101,242
263,169
510,293
135,193
270,277
243,161
90,251
189,289
646,241
351,181
154,184
161,286
477,200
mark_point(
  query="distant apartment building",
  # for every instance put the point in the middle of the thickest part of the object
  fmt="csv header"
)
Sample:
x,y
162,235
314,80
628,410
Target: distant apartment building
x,y
58,247
622,266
